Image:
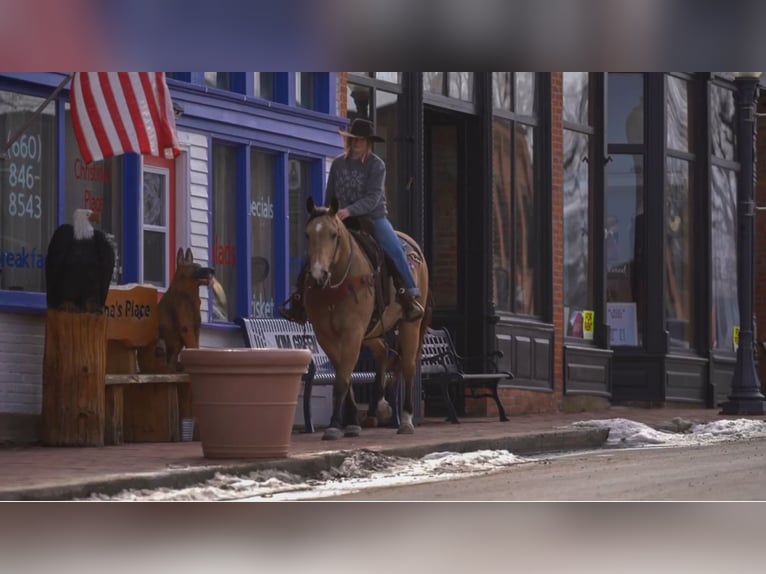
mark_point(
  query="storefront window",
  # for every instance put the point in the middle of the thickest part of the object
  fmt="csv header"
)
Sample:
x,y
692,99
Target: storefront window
x,y
262,234
579,313
624,245
223,257
723,234
516,211
678,253
723,218
299,186
27,192
304,90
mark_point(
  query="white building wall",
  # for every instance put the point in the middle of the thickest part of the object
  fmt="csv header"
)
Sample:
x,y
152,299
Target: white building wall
x,y
22,342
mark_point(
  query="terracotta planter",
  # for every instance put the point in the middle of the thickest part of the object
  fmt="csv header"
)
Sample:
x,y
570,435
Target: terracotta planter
x,y
244,399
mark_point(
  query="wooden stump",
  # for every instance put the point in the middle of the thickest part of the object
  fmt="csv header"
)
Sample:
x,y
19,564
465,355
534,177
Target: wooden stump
x,y
74,371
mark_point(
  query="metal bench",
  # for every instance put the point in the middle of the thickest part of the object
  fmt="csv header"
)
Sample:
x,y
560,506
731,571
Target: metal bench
x,y
284,334
442,367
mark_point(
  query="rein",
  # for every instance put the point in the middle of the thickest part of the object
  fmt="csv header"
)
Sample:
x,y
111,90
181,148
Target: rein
x,y
350,259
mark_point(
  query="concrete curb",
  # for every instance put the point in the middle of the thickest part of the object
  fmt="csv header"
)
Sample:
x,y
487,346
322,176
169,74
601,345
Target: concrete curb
x,y
308,465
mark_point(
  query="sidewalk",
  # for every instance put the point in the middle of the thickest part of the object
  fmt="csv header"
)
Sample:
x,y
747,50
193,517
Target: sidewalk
x,y
60,473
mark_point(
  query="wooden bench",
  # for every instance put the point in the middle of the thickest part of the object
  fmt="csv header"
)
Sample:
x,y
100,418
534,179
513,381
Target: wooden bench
x,y
284,334
441,367
139,407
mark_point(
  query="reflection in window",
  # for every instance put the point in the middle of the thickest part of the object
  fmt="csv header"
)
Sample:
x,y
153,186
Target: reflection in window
x,y
262,234
525,93
723,235
626,108
155,226
387,126
722,123
96,186
515,209
678,254
624,245
461,86
578,166
28,192
516,244
358,100
224,228
388,76
677,114
578,274
304,90
501,90
220,80
433,82
576,98
299,186
263,85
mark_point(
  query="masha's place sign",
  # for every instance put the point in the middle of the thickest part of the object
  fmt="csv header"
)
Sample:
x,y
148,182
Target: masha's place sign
x,y
131,312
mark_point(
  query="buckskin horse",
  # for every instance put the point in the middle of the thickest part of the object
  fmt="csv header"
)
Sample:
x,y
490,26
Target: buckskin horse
x,y
340,302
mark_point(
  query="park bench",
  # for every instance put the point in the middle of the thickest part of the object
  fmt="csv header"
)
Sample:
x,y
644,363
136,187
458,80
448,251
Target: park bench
x,y
284,334
139,407
441,368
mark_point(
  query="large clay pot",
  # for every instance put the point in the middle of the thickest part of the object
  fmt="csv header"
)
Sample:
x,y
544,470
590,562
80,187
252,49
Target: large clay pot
x,y
244,399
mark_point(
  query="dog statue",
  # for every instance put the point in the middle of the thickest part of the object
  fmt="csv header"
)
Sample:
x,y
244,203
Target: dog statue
x,y
178,316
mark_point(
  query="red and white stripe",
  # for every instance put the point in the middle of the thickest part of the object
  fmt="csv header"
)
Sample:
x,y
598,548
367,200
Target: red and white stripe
x,y
118,112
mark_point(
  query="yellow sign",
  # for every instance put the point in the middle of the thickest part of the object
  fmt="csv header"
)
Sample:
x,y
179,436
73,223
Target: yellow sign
x,y
131,312
735,337
588,318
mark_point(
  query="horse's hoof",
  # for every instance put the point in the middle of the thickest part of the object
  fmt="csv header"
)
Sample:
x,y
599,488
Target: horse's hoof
x,y
370,422
352,431
406,428
332,434
384,412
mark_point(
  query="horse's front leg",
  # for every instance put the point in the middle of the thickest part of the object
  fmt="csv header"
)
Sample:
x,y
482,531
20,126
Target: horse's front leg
x,y
340,391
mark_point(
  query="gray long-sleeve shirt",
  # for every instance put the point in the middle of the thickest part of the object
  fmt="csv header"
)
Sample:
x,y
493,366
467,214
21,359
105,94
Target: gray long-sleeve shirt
x,y
358,186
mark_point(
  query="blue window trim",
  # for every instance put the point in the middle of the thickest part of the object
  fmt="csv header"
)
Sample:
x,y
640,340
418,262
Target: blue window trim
x,y
131,224
242,231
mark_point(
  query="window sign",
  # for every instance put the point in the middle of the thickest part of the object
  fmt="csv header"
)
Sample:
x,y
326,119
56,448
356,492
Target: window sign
x,y
621,318
27,192
262,234
97,186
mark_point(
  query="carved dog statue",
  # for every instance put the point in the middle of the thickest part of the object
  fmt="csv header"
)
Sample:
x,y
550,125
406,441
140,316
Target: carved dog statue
x,y
178,316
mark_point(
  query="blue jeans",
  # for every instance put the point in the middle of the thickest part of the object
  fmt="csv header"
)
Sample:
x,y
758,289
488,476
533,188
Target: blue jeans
x,y
392,247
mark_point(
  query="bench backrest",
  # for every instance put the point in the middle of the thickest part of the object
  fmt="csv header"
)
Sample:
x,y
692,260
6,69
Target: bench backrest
x,y
131,312
438,354
284,334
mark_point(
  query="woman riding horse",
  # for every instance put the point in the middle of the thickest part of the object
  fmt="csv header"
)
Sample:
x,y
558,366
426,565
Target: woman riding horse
x,y
357,179
340,299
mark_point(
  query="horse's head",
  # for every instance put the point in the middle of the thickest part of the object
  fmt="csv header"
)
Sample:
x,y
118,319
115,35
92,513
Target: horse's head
x,y
323,236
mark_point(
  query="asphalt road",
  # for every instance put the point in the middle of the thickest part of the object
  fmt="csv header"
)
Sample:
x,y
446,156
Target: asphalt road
x,y
732,471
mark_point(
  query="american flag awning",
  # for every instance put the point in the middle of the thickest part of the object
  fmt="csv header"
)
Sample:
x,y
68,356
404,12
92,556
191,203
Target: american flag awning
x,y
118,112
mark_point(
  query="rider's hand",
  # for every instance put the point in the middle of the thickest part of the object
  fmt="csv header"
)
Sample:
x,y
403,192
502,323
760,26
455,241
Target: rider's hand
x,y
343,213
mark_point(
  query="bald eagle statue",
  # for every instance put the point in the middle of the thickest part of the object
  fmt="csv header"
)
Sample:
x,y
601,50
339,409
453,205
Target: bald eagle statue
x,y
79,266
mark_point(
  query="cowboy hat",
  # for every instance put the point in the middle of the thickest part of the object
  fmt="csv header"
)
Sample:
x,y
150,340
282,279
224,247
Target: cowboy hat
x,y
361,128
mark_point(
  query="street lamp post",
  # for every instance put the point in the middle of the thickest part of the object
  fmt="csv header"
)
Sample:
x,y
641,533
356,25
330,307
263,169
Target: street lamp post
x,y
745,397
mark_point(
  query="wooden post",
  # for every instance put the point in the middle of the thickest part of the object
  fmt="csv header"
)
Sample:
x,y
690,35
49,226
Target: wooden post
x,y
74,371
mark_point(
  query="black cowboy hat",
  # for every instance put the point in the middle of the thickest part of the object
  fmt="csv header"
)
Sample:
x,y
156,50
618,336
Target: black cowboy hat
x,y
361,128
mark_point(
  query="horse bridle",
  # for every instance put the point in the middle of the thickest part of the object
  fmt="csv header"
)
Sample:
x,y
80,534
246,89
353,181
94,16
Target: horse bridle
x,y
335,255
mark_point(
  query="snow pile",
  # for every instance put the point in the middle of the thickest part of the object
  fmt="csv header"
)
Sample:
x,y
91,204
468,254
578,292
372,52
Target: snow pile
x,y
627,433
